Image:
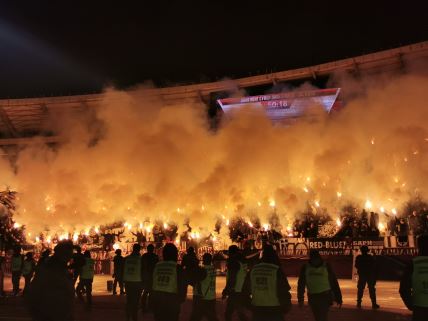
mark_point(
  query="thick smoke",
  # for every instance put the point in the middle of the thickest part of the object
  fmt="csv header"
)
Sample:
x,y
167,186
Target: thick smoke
x,y
136,160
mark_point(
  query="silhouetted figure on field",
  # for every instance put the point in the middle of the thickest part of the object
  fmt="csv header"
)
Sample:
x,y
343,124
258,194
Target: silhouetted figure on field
x,y
235,277
366,267
86,279
133,279
323,287
118,263
205,291
50,296
267,288
190,263
28,268
17,264
414,283
149,261
78,260
169,289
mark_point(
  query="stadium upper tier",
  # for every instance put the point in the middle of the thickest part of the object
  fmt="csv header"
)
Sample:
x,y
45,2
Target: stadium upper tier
x,y
21,119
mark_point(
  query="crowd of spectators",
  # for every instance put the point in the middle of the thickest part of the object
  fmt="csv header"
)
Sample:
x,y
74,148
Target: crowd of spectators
x,y
357,223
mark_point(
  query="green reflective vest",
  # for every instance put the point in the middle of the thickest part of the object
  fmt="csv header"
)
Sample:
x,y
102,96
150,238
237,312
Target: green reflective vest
x,y
208,284
420,281
27,267
165,277
240,277
16,263
132,269
317,279
264,285
87,272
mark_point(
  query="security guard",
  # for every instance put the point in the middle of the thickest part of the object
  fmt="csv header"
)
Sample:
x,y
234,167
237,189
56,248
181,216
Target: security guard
x,y
28,269
86,278
414,284
267,288
17,263
322,284
204,297
366,267
235,277
169,286
132,277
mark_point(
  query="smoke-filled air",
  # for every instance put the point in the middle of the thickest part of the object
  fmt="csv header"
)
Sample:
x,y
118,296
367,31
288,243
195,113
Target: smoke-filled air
x,y
137,161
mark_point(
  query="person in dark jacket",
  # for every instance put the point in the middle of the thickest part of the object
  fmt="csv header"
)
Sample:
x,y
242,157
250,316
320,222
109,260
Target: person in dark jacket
x,y
28,269
235,277
133,278
149,260
366,267
414,283
51,293
118,262
17,264
190,263
76,265
169,286
323,287
267,288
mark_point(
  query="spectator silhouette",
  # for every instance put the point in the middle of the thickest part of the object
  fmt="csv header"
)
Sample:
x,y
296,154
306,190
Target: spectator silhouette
x,y
149,261
51,293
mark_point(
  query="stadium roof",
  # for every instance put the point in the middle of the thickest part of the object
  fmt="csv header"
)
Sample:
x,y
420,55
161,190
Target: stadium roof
x,y
23,118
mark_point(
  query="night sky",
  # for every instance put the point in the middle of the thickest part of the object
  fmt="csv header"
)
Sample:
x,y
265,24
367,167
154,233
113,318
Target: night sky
x,y
69,47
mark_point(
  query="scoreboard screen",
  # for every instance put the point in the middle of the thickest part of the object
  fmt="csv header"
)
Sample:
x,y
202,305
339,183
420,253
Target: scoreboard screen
x,y
282,106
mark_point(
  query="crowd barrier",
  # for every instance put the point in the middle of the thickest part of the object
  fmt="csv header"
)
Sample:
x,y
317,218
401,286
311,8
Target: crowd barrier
x,y
392,254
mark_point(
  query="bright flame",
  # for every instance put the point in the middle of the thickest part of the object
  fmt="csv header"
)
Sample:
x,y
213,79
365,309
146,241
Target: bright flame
x,y
305,189
338,222
394,211
317,203
272,203
97,230
250,224
372,141
382,209
16,225
48,239
266,226
368,205
259,203
116,246
381,227
308,179
148,229
37,239
140,226
165,226
214,238
227,222
75,237
339,194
